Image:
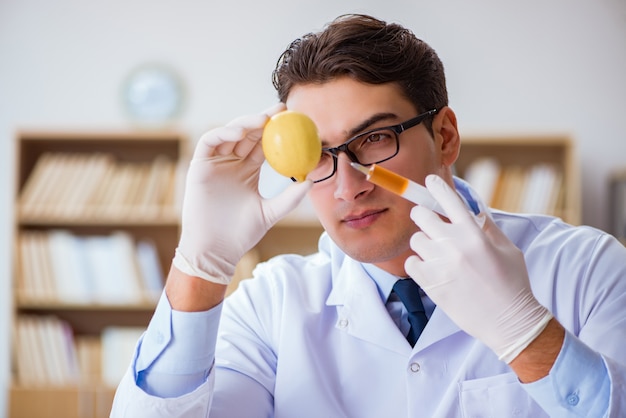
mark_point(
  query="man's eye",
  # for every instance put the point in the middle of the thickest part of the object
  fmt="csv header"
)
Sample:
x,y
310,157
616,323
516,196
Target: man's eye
x,y
325,157
378,136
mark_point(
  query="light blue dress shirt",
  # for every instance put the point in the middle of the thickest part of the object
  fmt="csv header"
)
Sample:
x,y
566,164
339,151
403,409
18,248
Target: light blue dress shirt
x,y
314,335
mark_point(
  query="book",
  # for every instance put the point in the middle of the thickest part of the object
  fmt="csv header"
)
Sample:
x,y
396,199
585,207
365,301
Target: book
x,y
112,267
69,185
31,347
89,356
25,285
41,202
482,174
65,183
28,367
45,351
510,187
100,257
57,266
159,178
544,184
89,172
71,279
35,184
150,268
125,277
48,290
34,277
51,344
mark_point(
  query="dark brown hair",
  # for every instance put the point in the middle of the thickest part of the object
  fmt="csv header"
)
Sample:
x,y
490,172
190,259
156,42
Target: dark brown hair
x,y
368,50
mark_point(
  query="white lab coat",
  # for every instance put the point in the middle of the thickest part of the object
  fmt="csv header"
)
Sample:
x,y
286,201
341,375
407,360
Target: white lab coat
x,y
311,337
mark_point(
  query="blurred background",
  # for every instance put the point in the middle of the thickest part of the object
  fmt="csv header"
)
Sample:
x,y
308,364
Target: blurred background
x,y
534,67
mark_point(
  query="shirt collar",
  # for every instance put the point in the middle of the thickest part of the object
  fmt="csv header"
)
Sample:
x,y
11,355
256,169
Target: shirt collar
x,y
384,280
469,196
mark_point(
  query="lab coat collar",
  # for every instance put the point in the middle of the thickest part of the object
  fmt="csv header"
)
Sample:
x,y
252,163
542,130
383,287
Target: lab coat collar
x,y
362,313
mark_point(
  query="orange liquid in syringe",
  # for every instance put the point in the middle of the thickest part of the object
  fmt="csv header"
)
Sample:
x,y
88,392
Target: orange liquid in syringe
x,y
388,179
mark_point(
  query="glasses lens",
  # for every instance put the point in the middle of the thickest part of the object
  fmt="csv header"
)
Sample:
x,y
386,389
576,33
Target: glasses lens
x,y
373,147
324,168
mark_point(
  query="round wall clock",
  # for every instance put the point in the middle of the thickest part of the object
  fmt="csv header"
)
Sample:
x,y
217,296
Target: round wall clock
x,y
152,94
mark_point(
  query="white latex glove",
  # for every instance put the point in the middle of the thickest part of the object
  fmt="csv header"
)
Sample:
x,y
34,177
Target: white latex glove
x,y
477,276
223,214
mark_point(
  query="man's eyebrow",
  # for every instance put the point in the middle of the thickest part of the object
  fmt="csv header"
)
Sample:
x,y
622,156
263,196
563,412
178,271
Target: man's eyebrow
x,y
367,123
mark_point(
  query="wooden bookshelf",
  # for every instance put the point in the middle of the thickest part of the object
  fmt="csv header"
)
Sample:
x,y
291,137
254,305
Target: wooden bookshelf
x,y
515,157
70,197
66,204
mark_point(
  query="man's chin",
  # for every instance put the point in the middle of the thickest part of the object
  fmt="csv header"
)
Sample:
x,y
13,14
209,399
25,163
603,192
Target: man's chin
x,y
366,252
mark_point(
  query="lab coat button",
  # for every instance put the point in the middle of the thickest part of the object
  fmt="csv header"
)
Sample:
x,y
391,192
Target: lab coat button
x,y
415,367
343,323
573,399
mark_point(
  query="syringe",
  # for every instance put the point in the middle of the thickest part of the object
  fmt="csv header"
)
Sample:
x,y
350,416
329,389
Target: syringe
x,y
399,185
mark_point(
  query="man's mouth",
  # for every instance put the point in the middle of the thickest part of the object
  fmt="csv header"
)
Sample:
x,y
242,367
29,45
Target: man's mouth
x,y
362,219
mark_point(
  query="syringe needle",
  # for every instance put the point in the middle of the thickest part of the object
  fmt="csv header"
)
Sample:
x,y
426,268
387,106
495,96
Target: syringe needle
x,y
361,168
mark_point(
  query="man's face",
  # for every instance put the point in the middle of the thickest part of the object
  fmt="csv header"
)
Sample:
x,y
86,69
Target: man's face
x,y
367,222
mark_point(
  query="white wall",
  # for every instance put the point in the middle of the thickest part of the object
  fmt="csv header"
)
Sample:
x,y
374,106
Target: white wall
x,y
533,66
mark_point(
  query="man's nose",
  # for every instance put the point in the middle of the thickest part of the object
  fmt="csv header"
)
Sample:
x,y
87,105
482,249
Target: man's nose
x,y
349,183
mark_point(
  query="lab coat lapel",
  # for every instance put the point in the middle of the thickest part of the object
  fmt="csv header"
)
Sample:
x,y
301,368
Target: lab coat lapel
x,y
361,312
439,327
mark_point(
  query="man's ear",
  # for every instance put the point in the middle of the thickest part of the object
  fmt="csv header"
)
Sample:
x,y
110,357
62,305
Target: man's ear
x,y
446,135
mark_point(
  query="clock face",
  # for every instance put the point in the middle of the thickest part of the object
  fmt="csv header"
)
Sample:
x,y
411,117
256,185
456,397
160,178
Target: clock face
x,y
153,94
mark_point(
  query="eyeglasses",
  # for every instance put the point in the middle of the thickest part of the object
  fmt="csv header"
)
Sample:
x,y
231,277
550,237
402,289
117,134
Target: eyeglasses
x,y
371,147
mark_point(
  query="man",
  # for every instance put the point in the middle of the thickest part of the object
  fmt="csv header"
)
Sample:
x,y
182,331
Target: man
x,y
525,313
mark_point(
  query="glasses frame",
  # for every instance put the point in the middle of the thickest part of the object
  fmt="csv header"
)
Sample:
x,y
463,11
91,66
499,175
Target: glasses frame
x,y
398,129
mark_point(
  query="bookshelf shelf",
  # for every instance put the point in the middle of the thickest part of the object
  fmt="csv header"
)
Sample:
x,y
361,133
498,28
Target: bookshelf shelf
x,y
27,304
171,219
95,320
92,207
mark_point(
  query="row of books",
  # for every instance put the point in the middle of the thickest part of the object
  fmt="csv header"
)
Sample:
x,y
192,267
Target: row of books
x,y
534,189
68,185
57,266
48,354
